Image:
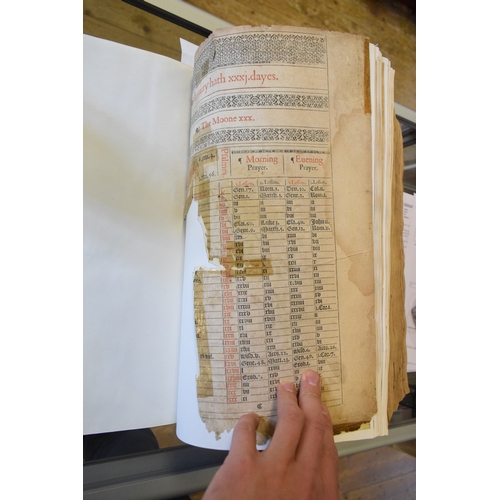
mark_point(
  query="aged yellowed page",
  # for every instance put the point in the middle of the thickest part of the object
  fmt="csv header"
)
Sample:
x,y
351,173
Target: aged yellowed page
x,y
281,175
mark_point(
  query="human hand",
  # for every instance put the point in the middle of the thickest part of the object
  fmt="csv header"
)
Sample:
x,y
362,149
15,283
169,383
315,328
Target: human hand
x,y
301,462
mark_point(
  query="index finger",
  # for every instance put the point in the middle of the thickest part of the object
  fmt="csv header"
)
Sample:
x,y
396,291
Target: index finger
x,y
311,442
290,423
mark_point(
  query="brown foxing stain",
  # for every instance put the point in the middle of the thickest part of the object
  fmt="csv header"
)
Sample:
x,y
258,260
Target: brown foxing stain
x,y
357,274
265,430
201,186
202,169
198,183
350,427
235,267
204,381
368,105
194,166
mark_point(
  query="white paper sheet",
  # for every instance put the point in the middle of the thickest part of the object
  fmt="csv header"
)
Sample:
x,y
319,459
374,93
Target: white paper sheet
x,y
136,122
190,427
188,50
410,245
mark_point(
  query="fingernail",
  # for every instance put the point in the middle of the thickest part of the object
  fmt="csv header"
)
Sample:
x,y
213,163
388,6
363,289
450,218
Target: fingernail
x,y
288,386
311,377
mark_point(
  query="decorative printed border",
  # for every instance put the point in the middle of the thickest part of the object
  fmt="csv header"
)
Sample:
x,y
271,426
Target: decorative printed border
x,y
259,135
279,150
260,48
303,101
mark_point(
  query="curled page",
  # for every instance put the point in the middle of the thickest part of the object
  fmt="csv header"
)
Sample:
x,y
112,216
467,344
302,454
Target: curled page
x,y
281,179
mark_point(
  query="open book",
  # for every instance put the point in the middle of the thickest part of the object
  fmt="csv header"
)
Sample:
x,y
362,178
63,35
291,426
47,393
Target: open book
x,y
241,224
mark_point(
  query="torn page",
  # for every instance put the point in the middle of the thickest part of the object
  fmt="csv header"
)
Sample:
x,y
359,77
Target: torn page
x,y
281,179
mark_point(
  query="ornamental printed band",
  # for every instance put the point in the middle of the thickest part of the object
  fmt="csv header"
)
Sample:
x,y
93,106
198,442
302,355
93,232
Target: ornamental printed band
x,y
264,134
262,100
260,48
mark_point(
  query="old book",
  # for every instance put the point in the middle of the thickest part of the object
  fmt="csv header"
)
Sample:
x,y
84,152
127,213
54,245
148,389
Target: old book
x,y
287,169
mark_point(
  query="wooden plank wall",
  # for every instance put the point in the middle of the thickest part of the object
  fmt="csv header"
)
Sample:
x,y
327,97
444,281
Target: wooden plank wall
x,y
390,24
120,22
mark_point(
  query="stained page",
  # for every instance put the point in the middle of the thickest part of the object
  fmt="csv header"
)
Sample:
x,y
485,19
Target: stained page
x,y
279,273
